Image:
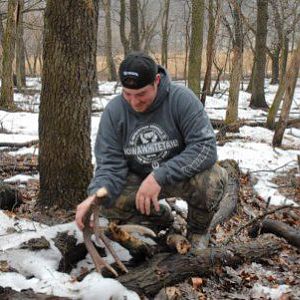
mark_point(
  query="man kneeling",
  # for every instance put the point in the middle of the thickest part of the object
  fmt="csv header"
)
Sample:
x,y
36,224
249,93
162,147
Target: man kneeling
x,y
156,141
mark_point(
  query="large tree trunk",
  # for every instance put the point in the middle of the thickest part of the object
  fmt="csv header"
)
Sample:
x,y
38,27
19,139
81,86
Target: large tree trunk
x,y
168,269
134,26
65,111
124,40
236,72
291,79
112,74
258,93
195,56
165,33
20,49
7,92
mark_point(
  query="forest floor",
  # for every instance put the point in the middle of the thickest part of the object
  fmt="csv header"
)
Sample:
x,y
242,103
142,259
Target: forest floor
x,y
267,173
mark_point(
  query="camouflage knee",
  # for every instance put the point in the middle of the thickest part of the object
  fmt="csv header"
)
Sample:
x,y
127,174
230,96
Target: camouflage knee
x,y
208,188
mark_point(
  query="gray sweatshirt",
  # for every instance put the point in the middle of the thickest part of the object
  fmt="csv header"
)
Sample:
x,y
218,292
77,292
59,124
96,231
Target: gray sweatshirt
x,y
173,139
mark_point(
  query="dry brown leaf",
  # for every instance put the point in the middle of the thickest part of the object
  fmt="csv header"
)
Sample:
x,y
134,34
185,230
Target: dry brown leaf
x,y
196,282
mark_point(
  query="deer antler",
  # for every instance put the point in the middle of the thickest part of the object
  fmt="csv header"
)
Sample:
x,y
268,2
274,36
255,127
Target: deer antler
x,y
99,262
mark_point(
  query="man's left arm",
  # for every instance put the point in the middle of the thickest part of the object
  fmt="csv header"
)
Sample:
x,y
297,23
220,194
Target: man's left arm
x,y
200,151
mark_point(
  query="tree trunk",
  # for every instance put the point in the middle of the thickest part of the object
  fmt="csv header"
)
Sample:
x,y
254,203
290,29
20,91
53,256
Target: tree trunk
x,y
65,110
258,93
7,92
195,56
20,51
95,87
167,269
275,65
291,79
28,61
275,105
249,87
134,26
1,45
284,56
112,74
124,40
236,72
165,33
210,51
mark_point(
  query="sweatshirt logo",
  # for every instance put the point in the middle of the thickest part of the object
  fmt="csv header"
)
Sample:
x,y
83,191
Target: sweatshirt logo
x,y
150,144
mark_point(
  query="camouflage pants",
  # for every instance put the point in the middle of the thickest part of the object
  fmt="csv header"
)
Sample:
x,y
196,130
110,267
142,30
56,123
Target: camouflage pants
x,y
203,193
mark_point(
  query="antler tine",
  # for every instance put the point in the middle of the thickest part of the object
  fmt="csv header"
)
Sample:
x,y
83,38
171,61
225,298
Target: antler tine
x,y
97,259
99,233
87,233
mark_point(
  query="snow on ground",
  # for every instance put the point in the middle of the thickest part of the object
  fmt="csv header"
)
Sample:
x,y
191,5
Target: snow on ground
x,y
252,150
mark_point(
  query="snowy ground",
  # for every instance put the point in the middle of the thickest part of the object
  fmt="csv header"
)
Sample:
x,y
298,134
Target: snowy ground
x,y
254,153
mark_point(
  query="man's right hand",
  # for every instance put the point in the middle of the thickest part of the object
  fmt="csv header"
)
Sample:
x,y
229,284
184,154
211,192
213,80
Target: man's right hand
x,y
82,209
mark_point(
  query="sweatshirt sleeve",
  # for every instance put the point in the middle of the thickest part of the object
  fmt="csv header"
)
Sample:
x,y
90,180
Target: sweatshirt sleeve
x,y
200,151
111,170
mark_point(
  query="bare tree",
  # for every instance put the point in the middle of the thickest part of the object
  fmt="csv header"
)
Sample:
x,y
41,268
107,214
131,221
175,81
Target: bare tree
x,y
20,49
291,79
236,72
165,33
134,26
65,111
213,25
112,74
122,27
7,93
258,92
195,55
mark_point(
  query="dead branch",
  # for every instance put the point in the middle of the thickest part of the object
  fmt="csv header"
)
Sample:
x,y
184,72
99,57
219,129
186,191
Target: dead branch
x,y
253,221
280,229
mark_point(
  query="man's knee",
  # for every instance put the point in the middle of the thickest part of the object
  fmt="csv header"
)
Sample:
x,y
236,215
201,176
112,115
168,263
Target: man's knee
x,y
209,188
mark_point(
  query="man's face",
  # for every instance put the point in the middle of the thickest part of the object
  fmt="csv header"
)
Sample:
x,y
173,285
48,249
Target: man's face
x,y
141,99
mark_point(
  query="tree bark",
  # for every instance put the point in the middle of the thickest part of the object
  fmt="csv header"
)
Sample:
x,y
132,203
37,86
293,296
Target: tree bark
x,y
65,110
236,72
165,33
7,93
124,39
275,65
249,87
134,26
258,92
112,74
20,49
195,55
290,79
168,269
213,21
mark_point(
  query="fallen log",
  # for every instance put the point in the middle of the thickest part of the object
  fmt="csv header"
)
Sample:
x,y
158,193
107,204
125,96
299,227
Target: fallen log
x,y
167,269
19,145
280,229
28,294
